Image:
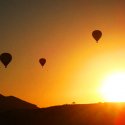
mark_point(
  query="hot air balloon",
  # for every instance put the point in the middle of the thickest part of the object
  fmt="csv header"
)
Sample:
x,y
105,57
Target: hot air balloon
x,y
5,58
97,35
42,61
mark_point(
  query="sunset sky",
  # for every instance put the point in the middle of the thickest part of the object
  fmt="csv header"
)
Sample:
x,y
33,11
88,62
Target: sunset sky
x,y
61,32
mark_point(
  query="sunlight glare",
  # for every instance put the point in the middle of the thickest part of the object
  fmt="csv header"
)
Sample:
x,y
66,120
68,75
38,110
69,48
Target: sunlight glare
x,y
113,88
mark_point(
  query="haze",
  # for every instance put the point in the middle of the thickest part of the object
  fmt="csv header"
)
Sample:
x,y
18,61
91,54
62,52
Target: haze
x,y
60,31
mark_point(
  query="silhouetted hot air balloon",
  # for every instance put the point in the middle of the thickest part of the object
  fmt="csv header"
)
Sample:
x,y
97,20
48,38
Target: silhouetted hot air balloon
x,y
5,58
97,35
42,61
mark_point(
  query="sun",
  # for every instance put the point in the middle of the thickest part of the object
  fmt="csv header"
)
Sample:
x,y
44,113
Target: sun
x,y
113,87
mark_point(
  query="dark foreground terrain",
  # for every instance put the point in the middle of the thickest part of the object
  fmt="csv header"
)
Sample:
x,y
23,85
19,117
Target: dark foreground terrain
x,y
77,114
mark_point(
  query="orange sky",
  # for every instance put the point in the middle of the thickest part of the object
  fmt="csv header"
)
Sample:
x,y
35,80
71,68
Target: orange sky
x,y
60,31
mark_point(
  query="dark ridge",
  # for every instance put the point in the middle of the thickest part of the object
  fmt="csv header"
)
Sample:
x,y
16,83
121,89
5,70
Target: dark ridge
x,y
12,103
77,114
1,96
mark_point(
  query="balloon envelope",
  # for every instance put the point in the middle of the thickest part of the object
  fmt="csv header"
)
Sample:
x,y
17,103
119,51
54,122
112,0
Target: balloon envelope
x,y
5,58
97,34
42,61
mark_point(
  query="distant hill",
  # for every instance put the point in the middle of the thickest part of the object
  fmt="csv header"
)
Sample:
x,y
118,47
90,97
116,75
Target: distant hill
x,y
77,114
13,103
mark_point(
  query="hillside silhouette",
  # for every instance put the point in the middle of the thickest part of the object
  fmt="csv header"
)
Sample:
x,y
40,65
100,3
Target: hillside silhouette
x,y
74,114
13,103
